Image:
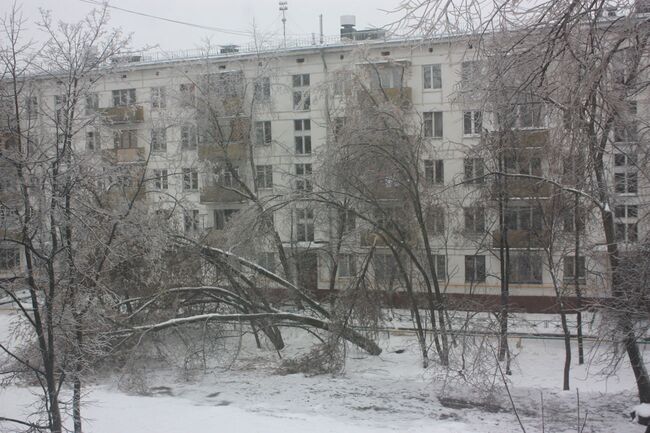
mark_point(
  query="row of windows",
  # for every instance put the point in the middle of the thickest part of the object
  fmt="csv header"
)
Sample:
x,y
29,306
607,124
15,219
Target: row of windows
x,y
524,268
225,178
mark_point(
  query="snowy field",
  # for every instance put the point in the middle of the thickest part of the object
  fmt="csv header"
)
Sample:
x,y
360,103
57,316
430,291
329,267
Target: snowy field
x,y
388,393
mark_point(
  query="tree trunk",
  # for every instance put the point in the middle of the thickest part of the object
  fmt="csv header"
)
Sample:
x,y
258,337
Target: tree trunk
x,y
576,280
567,349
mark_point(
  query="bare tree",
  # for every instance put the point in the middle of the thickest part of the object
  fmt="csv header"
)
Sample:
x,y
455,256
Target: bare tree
x,y
56,204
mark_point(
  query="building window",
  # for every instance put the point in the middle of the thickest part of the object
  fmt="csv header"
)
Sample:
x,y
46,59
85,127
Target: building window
x,y
302,136
304,225
626,160
341,83
264,176
158,97
626,130
92,104
301,98
190,179
470,74
432,76
303,177
9,258
474,170
529,112
262,89
123,97
474,219
569,221
125,139
7,183
347,266
159,140
229,177
6,216
93,140
626,229
263,135
191,220
222,217
31,107
188,137
526,268
387,77
523,218
474,269
626,183
571,267
434,171
385,266
160,179
472,123
627,232
522,165
188,94
440,263
433,124
347,220
626,211
267,261
436,220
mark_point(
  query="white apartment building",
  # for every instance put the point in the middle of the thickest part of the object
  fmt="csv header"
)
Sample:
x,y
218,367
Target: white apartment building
x,y
274,116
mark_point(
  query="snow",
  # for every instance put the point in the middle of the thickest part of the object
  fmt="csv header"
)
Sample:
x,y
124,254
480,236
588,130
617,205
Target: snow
x,y
374,394
641,410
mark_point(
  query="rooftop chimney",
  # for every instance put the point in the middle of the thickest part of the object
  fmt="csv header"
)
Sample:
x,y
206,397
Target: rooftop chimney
x,y
347,26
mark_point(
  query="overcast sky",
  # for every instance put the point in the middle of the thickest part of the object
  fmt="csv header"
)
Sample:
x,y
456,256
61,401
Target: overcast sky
x,y
238,15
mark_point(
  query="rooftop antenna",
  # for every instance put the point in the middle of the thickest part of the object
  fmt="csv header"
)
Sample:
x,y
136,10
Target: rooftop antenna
x,y
283,9
320,22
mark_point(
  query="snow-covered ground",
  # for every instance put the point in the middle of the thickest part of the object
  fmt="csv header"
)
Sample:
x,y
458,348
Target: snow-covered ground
x,y
388,393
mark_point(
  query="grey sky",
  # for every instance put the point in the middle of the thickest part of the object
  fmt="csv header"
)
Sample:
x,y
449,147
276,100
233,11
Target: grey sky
x,y
302,18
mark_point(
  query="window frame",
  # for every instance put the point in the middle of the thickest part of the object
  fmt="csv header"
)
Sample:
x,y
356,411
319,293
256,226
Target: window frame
x,y
474,170
301,98
189,137
124,97
303,177
433,124
434,171
434,80
158,97
161,179
304,225
263,133
473,119
190,179
264,176
9,258
347,266
158,140
302,136
474,219
475,269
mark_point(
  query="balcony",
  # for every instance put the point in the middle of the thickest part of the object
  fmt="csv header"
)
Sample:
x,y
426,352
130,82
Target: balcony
x,y
220,194
123,114
529,139
124,155
232,105
123,195
400,96
7,139
370,237
214,152
523,239
521,187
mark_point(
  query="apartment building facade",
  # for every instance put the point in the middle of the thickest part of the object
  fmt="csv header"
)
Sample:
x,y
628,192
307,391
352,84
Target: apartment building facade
x,y
216,139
